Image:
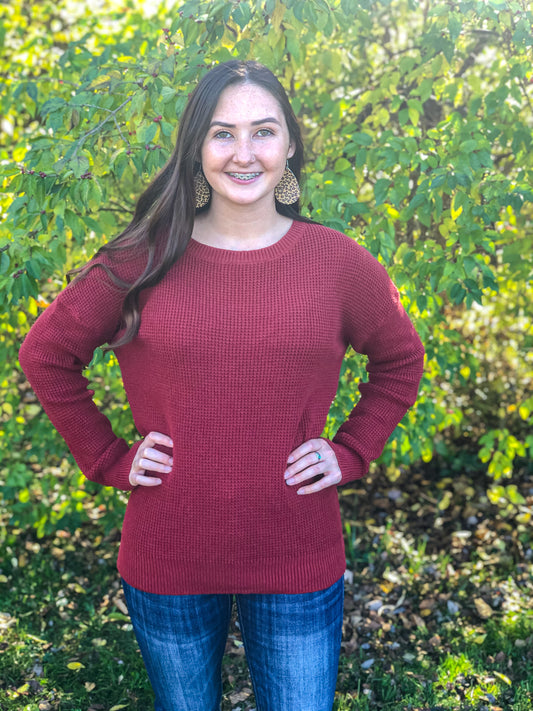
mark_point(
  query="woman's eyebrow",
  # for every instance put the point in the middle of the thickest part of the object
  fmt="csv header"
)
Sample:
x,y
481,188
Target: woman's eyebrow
x,y
268,119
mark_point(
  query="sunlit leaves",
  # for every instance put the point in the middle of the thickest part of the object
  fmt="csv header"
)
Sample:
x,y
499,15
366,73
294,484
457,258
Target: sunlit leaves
x,y
418,140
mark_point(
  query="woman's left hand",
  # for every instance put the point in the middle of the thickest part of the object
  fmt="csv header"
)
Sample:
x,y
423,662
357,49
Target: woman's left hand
x,y
309,460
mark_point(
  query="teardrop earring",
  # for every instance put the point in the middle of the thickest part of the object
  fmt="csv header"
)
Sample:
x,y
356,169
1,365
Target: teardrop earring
x,y
202,191
287,191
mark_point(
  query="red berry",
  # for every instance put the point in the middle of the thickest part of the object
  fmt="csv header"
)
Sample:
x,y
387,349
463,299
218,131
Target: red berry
x,y
42,175
31,172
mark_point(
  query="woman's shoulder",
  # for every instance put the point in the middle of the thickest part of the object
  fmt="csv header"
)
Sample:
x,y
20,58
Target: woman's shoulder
x,y
339,246
118,267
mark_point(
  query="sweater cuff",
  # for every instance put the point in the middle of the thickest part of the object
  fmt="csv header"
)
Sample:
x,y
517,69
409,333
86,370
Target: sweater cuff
x,y
116,473
351,464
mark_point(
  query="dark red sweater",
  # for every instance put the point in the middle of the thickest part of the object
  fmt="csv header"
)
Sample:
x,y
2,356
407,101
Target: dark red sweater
x,y
237,360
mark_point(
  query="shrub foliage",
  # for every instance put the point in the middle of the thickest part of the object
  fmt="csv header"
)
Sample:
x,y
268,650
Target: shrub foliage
x,y
417,120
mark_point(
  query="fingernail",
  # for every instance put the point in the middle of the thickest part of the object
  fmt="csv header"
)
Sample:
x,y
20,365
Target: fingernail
x,y
290,481
290,459
171,461
300,491
286,475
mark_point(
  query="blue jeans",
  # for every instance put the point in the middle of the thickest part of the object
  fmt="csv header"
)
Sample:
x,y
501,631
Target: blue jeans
x,y
292,644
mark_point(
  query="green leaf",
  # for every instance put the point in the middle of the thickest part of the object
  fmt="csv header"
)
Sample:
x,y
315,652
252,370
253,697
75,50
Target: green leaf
x,y
146,133
381,188
242,14
167,93
4,262
79,165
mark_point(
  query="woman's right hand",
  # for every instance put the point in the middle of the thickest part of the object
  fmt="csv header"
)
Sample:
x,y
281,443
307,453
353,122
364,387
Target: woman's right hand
x,y
148,459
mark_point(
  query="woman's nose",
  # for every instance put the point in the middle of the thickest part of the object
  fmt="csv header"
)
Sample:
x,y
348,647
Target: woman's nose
x,y
244,151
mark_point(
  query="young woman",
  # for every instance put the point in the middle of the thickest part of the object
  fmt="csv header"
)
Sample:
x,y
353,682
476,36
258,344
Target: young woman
x,y
230,315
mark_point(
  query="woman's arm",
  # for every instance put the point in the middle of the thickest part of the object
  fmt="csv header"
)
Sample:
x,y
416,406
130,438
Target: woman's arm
x,y
58,347
376,325
395,366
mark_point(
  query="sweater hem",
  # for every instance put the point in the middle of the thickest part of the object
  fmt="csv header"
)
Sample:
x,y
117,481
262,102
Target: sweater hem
x,y
303,574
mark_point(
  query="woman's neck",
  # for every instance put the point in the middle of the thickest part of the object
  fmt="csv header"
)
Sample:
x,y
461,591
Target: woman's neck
x,y
240,229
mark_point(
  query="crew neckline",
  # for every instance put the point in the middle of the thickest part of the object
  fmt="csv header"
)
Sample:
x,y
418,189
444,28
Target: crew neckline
x,y
248,256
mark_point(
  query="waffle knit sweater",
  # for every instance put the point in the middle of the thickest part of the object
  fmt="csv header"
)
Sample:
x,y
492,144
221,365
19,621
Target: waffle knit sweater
x,y
237,360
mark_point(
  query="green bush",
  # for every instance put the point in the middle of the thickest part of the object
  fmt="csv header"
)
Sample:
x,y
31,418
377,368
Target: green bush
x,y
417,122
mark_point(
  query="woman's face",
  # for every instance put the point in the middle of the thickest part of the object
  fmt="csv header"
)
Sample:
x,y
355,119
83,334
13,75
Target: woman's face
x,y
246,147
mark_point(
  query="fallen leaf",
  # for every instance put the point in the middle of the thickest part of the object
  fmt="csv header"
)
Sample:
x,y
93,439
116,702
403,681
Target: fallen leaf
x,y
387,587
483,610
240,695
427,604
75,666
503,677
121,605
453,607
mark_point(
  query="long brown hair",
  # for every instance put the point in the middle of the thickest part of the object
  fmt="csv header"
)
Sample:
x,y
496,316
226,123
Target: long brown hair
x,y
164,215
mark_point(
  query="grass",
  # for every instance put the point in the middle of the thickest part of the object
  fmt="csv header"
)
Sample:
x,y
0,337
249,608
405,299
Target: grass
x,y
438,614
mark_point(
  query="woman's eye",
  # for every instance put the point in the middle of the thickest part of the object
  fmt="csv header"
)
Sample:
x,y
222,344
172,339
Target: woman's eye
x,y
223,134
265,132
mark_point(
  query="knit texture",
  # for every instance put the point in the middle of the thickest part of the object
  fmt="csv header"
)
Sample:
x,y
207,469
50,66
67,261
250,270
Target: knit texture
x,y
237,360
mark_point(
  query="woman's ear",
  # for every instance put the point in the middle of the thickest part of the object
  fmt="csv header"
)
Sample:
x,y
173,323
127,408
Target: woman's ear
x,y
292,149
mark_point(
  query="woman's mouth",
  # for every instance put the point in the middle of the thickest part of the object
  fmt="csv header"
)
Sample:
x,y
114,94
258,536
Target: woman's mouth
x,y
244,176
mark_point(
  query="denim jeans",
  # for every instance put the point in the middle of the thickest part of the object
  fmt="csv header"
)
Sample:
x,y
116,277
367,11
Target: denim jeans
x,y
292,644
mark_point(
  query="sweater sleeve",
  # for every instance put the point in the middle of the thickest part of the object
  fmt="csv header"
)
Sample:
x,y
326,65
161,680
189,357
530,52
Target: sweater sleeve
x,y
60,344
378,326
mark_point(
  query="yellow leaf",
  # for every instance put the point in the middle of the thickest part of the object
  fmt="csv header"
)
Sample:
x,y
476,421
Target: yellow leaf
x,y
386,587
23,560
425,612
277,16
89,685
75,666
7,408
19,152
23,689
524,412
480,638
445,501
393,212
118,706
455,213
502,677
483,610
